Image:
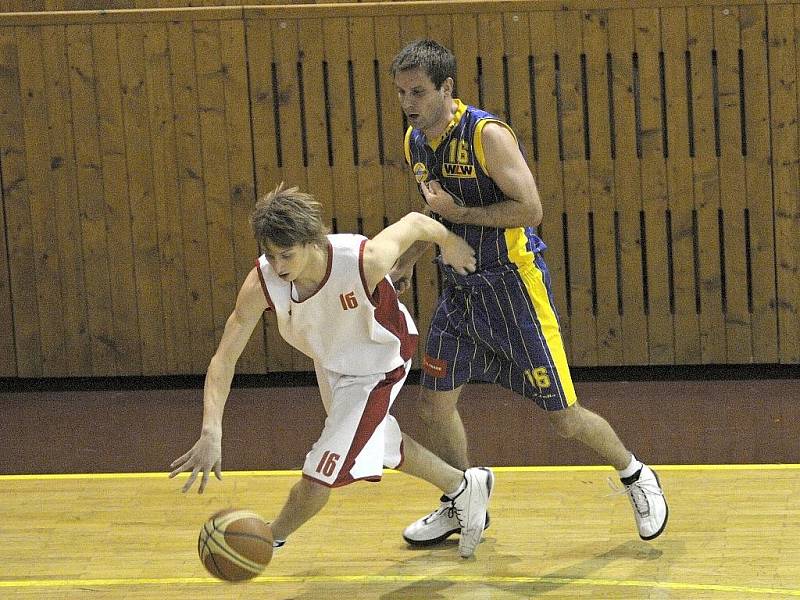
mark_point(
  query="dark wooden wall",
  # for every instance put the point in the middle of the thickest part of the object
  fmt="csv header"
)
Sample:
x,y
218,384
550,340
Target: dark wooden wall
x,y
663,136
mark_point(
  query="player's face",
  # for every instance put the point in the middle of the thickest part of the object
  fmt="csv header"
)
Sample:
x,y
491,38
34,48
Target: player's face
x,y
288,262
426,107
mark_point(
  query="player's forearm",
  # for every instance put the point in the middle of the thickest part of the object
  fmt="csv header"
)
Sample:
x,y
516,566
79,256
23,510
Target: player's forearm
x,y
215,393
410,257
506,214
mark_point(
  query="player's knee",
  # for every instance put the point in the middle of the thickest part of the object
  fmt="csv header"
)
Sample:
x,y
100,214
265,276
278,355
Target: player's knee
x,y
307,490
567,423
434,407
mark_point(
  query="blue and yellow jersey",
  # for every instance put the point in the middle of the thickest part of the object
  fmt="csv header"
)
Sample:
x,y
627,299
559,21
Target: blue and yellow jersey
x,y
456,160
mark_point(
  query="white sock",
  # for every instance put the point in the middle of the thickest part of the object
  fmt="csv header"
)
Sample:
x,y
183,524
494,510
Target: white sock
x,y
458,490
631,469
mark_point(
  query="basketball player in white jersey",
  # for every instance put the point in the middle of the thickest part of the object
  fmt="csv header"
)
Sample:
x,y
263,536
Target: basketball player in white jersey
x,y
334,302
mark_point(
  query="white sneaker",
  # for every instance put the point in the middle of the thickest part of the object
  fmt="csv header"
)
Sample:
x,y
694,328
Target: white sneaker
x,y
437,526
470,508
649,505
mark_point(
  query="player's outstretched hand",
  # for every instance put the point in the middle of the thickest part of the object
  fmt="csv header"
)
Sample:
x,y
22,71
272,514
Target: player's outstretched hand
x,y
205,456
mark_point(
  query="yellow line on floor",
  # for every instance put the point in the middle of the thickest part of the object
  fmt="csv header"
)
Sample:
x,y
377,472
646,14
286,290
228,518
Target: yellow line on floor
x,y
520,469
483,580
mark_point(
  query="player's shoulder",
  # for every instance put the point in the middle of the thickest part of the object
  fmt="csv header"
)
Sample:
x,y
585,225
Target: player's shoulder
x,y
346,246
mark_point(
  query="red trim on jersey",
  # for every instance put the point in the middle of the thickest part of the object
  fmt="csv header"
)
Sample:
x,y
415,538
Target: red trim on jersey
x,y
264,285
388,314
374,413
335,484
321,283
361,271
387,309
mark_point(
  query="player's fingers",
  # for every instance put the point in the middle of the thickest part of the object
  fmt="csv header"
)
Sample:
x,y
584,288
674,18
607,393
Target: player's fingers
x,y
180,469
203,482
190,481
181,459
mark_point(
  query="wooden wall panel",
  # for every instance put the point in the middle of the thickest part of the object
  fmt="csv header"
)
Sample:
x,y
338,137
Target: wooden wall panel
x,y
706,186
663,139
759,227
652,151
111,130
44,267
784,47
572,112
680,192
173,293
628,213
731,178
146,264
601,188
17,258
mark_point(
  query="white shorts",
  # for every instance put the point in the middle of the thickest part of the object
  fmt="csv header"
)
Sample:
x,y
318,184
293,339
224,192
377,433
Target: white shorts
x,y
360,437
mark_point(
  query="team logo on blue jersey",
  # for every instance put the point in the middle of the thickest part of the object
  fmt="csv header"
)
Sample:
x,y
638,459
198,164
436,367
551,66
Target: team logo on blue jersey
x,y
420,172
458,170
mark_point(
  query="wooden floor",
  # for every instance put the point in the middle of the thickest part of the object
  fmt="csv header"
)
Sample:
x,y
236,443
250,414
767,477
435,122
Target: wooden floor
x,y
734,532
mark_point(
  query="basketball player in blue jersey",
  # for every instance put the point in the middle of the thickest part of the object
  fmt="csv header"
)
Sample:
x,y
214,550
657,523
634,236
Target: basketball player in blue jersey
x,y
497,324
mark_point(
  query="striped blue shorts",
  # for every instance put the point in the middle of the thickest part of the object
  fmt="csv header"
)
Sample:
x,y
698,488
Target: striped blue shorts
x,y
500,328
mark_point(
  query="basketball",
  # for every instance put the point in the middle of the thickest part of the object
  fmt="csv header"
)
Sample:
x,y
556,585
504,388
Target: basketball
x,y
235,545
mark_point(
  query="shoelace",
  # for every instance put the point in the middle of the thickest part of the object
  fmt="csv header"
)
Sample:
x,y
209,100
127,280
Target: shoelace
x,y
638,492
448,507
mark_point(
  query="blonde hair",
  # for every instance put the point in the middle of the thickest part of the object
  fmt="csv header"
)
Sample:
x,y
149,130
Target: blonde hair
x,y
288,217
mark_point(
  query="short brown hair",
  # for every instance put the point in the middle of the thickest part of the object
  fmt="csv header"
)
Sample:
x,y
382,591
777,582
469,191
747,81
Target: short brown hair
x,y
288,217
435,60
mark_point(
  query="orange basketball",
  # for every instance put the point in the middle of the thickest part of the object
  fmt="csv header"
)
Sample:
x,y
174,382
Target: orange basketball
x,y
235,545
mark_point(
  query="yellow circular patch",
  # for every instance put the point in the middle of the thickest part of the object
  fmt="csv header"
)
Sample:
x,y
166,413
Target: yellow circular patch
x,y
420,172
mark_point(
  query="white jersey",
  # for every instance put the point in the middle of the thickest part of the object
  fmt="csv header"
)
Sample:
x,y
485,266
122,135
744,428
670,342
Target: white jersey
x,y
341,326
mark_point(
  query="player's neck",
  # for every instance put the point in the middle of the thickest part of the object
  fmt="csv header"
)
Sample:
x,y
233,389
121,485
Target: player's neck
x,y
435,131
313,275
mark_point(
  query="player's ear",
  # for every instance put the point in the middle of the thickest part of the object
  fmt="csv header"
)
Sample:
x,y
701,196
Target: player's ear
x,y
447,86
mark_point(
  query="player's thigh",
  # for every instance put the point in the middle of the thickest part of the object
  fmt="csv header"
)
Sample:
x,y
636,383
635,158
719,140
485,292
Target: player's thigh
x,y
353,443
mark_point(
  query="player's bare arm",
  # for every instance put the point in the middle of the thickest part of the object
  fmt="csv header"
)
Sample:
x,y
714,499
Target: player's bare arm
x,y
403,268
206,454
382,252
507,167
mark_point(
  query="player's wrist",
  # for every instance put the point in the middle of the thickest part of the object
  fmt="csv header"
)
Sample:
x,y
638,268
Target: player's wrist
x,y
213,431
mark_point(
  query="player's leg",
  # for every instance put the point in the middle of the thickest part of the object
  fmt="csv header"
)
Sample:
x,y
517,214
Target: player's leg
x,y
467,493
446,367
305,500
545,376
443,431
578,423
350,446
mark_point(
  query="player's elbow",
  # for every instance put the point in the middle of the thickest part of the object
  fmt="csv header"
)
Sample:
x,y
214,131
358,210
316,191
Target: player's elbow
x,y
421,227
